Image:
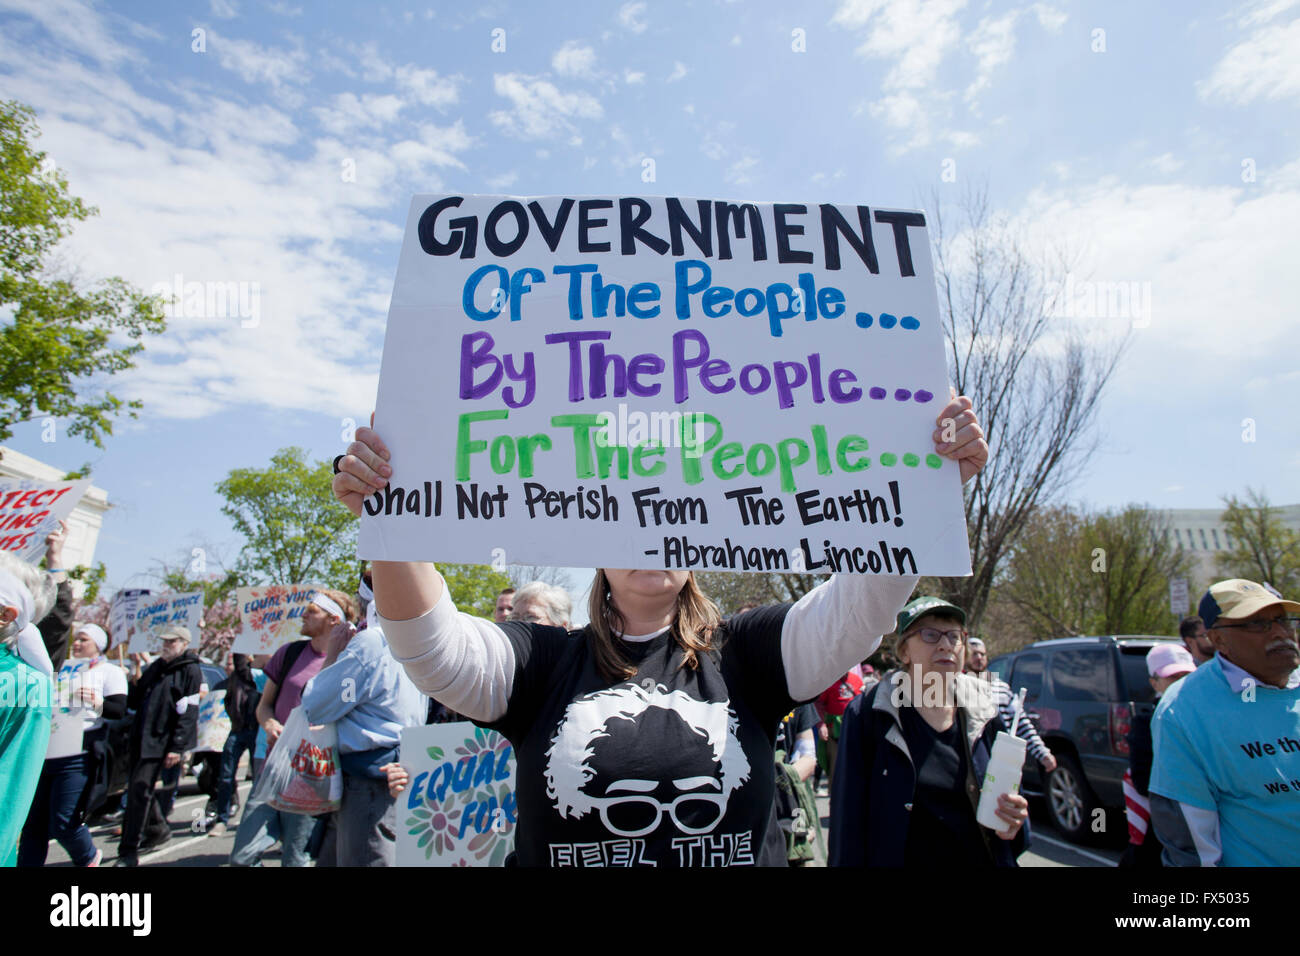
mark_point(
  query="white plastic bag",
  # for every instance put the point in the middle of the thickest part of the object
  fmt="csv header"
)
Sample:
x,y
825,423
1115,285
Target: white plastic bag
x,y
302,773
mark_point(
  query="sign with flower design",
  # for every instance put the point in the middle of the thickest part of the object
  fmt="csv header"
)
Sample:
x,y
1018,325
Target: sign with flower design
x,y
270,617
459,805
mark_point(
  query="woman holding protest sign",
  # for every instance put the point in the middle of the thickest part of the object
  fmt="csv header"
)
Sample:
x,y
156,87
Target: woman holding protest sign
x,y
646,738
913,751
73,781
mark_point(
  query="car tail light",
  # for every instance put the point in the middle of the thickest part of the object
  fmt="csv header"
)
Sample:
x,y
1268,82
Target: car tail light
x,y
1120,718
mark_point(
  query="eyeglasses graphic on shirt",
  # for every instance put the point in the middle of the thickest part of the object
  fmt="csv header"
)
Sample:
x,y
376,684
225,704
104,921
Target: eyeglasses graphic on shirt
x,y
1289,624
636,814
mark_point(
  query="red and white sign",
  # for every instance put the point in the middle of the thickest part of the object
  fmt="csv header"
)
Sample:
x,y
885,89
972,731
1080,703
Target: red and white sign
x,y
30,510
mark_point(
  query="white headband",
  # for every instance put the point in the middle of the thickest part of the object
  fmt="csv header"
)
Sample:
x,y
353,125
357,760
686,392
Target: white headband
x,y
327,604
95,633
13,593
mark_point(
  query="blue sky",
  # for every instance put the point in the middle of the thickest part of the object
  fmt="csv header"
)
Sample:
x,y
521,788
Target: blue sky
x,y
1164,149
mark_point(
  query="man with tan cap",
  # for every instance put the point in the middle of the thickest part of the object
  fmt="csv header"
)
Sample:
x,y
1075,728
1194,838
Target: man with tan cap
x,y
166,704
1225,783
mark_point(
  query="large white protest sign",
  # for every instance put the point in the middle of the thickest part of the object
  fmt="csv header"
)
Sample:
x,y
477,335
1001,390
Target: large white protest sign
x,y
158,611
459,805
658,382
30,510
121,615
270,617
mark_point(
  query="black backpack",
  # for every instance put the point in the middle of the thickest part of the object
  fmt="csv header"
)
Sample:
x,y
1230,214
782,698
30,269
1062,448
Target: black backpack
x,y
242,696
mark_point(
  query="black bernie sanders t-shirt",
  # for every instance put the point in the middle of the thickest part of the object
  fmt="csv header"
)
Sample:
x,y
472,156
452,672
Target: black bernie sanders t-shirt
x,y
671,768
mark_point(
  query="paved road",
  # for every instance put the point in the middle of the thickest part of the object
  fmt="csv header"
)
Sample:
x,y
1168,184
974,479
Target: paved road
x,y
1049,847
188,847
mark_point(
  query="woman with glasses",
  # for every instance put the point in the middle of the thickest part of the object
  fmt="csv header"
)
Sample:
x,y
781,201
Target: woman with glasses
x,y
912,757
647,737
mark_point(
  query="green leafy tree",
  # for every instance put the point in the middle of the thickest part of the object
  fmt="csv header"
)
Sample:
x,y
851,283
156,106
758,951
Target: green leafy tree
x,y
1078,572
92,578
731,591
1264,548
295,532
474,587
61,339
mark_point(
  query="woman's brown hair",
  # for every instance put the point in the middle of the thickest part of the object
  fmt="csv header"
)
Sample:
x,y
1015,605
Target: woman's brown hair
x,y
694,627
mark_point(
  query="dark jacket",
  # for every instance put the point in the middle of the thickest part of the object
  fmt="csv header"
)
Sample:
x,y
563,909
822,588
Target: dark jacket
x,y
54,626
166,702
1141,753
241,695
875,781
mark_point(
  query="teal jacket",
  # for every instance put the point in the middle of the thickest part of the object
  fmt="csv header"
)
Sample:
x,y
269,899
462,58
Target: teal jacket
x,y
24,737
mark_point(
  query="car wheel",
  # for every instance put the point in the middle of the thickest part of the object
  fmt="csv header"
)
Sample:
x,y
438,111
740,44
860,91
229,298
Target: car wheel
x,y
1070,802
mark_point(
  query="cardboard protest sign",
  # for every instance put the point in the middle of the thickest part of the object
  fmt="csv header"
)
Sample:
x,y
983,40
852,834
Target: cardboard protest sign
x,y
270,617
67,717
459,806
661,382
157,611
214,722
121,616
30,510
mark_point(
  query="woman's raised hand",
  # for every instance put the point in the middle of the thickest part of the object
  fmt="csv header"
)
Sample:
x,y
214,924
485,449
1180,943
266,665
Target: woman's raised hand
x,y
958,436
363,470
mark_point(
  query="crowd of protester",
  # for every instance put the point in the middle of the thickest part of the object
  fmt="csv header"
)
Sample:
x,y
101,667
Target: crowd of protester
x,y
693,726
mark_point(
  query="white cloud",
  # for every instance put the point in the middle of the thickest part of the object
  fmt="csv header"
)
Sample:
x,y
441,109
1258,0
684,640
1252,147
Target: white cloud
x,y
351,112
504,181
916,34
689,108
632,77
993,41
284,9
630,16
1263,66
73,26
736,41
679,71
225,9
1050,18
219,190
375,67
427,87
280,69
574,59
738,172
1222,295
1166,163
539,109
1261,11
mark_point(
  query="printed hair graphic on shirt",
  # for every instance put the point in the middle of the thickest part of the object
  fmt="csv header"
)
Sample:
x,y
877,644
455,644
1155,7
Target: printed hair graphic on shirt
x,y
606,737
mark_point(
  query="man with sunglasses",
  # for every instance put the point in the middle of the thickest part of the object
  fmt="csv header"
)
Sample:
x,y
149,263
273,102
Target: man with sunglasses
x,y
1225,783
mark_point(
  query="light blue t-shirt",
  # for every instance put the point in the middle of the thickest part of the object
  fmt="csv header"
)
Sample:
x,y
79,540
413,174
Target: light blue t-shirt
x,y
1226,743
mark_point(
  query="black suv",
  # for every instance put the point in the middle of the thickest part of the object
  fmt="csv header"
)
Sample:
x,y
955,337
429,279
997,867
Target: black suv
x,y
1082,693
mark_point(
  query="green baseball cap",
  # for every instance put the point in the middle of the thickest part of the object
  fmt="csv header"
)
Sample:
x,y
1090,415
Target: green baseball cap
x,y
918,608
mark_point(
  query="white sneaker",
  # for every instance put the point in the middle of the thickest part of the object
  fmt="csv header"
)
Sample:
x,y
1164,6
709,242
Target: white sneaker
x,y
99,858
217,829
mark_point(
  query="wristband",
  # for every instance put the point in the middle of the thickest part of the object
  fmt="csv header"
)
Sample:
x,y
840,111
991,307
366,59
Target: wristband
x,y
337,459
56,570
